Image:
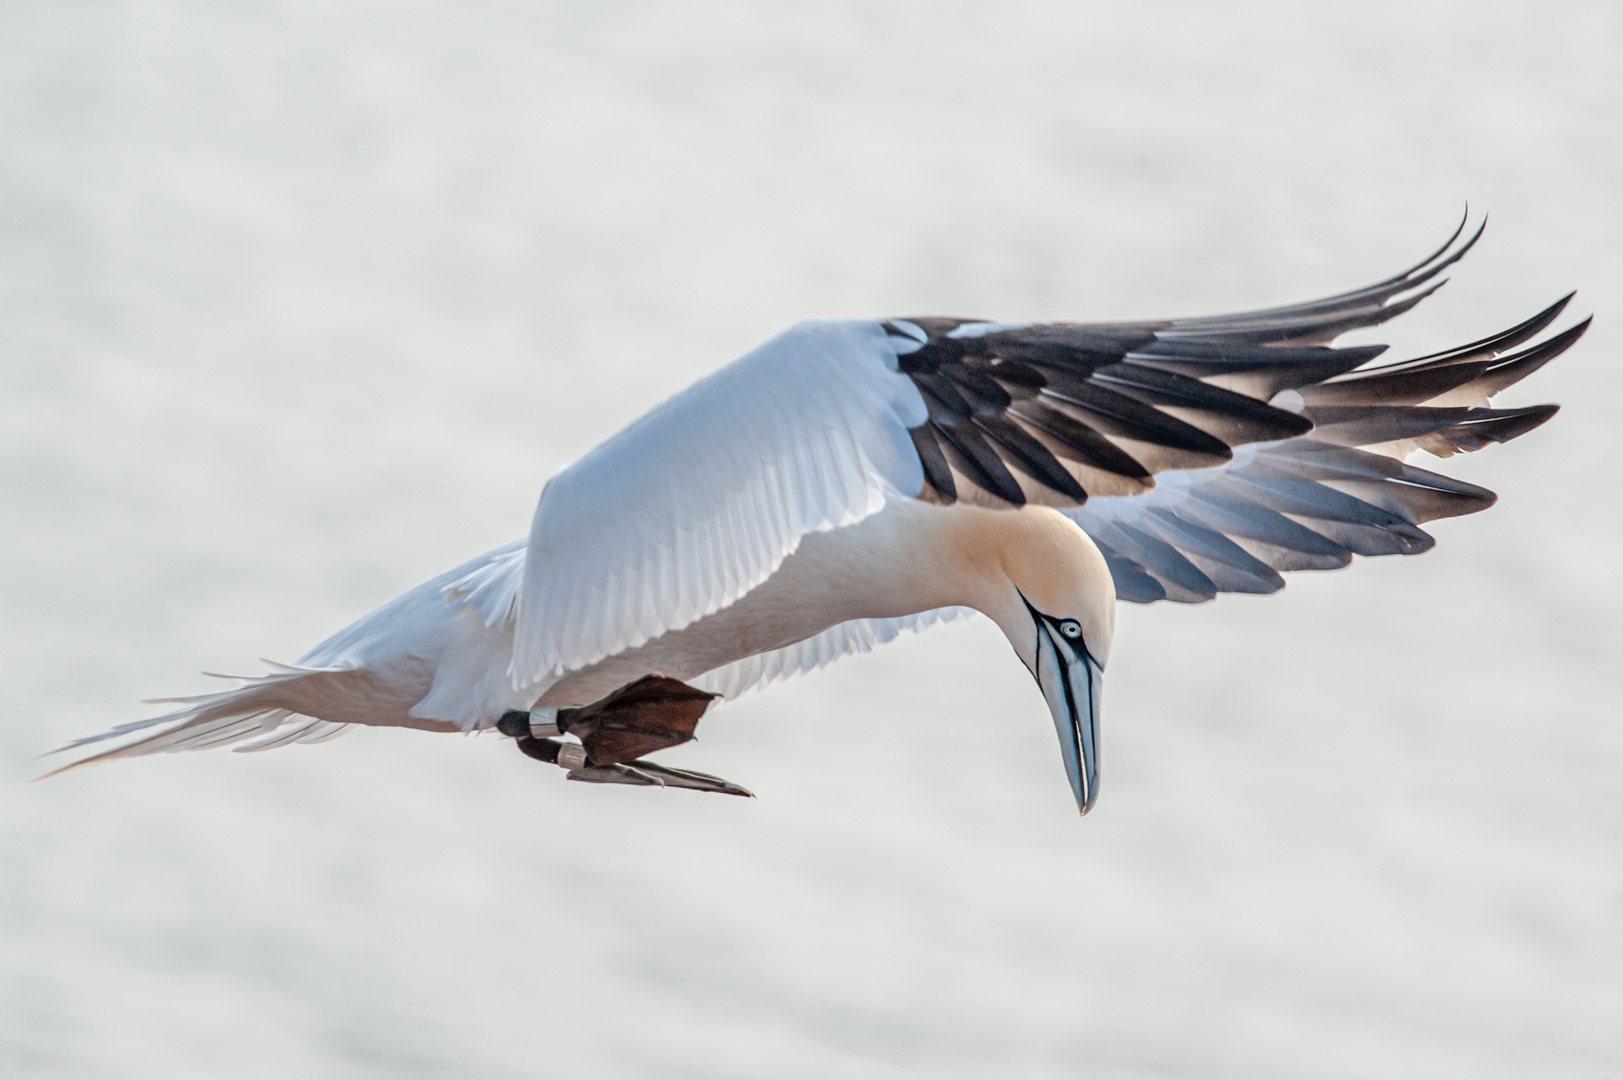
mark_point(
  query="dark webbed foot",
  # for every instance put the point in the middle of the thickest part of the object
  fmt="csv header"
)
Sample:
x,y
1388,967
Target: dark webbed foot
x,y
650,714
645,773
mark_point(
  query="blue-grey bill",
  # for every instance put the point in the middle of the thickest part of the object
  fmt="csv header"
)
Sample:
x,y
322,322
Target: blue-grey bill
x,y
1073,684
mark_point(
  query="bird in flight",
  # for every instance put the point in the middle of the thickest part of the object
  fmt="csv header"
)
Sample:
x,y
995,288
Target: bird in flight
x,y
850,480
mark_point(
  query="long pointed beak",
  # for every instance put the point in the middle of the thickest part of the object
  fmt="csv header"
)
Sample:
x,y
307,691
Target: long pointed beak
x,y
1073,684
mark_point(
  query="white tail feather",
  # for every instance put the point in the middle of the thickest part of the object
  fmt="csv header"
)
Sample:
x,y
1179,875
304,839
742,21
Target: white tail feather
x,y
252,713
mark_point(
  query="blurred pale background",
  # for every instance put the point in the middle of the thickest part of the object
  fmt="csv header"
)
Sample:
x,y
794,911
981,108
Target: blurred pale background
x,y
302,303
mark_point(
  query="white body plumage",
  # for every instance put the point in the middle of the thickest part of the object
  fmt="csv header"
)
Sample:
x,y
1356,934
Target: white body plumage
x,y
849,480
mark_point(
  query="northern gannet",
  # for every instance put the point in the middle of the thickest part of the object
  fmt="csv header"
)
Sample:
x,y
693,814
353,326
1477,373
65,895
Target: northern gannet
x,y
849,480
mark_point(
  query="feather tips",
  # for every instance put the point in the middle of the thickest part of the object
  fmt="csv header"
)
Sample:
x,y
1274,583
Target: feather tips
x,y
1317,436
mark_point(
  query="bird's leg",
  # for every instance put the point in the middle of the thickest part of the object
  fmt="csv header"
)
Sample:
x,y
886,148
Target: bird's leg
x,y
615,732
650,714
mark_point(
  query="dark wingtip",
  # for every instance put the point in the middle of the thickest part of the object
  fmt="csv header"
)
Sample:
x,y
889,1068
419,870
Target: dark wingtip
x,y
1440,252
1524,330
1432,265
1387,312
1525,420
1567,338
1484,427
1531,359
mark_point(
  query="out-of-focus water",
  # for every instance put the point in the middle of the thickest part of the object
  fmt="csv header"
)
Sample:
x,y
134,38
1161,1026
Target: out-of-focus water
x,y
302,303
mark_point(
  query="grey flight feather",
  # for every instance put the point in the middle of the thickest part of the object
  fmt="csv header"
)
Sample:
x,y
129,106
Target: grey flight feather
x,y
1207,455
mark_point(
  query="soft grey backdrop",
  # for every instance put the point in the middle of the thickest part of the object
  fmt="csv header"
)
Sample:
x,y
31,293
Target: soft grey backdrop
x,y
301,303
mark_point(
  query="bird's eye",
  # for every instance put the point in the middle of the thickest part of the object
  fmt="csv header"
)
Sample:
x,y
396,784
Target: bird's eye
x,y
1071,629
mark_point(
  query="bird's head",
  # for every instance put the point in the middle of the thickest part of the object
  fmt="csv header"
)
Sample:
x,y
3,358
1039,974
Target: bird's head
x,y
1056,603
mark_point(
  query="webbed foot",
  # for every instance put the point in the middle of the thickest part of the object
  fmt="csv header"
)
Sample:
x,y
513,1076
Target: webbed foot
x,y
639,772
645,773
650,714
653,713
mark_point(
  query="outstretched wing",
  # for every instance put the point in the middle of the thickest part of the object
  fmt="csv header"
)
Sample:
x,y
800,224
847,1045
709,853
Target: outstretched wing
x,y
1061,412
1207,455
1134,427
1202,455
703,498
1344,489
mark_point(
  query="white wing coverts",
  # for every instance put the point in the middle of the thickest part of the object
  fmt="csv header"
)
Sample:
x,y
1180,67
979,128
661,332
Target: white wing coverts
x,y
703,498
1202,455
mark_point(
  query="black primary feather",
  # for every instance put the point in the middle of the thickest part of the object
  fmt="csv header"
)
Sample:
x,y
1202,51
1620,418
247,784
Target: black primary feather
x,y
1061,411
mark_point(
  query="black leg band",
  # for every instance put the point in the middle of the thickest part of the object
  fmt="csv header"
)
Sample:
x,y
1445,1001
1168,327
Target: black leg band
x,y
540,749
